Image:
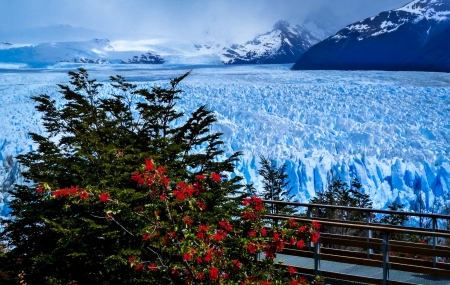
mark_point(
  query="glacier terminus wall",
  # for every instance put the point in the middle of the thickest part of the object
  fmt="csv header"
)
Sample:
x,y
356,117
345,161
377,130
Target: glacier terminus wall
x,y
391,130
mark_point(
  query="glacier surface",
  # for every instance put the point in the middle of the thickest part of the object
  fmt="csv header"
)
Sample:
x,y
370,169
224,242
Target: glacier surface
x,y
389,129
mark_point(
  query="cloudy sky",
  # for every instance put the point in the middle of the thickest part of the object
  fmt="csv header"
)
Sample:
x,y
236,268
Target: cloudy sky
x,y
236,20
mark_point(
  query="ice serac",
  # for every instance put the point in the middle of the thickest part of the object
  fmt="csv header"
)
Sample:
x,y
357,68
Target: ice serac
x,y
283,44
413,37
391,130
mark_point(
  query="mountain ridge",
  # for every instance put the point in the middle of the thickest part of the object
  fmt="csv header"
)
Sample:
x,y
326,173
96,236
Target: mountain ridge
x,y
283,44
391,40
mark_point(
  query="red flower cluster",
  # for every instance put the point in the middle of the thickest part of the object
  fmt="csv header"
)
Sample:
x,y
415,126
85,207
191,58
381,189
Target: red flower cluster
x,y
151,175
183,191
104,197
255,206
214,273
188,220
225,225
204,248
72,191
216,177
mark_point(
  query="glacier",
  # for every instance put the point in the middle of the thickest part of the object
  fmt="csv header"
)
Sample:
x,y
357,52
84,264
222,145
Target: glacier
x,y
389,129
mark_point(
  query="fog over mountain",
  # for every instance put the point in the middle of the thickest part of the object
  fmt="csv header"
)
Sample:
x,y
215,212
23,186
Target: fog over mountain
x,y
37,21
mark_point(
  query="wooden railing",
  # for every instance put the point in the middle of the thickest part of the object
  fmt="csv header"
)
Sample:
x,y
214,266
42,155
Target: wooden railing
x,y
369,251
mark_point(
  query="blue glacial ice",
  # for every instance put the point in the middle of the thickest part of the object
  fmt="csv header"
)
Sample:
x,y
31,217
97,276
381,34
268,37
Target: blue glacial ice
x,y
389,129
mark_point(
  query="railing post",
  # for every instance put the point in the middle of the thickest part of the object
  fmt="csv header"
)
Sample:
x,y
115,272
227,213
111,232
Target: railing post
x,y
309,216
317,257
434,241
309,212
369,234
385,248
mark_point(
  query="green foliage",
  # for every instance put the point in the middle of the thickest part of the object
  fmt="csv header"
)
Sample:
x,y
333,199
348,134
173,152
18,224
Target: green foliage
x,y
96,143
275,185
340,194
395,219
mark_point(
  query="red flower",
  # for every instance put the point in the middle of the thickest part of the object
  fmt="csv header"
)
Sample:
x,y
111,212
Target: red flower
x,y
225,225
104,197
216,177
201,177
252,248
131,259
188,220
61,193
263,231
219,235
292,270
145,237
153,267
301,244
315,224
314,236
139,267
73,190
149,165
137,177
302,280
236,263
256,200
252,233
246,201
187,256
179,195
276,237
203,228
201,205
84,195
292,223
200,275
208,257
214,273
39,189
248,215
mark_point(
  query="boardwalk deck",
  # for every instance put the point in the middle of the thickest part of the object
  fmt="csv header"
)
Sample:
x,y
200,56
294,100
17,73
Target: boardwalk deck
x,y
365,271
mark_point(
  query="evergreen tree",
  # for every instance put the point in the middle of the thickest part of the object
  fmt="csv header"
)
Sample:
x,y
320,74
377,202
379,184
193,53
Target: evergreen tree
x,y
340,194
275,185
97,142
395,219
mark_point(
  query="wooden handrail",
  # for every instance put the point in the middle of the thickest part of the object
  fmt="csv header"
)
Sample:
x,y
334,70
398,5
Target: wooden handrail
x,y
353,225
307,205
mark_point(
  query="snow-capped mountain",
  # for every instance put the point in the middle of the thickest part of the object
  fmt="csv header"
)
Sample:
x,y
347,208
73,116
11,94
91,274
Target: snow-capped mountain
x,y
283,44
97,51
146,58
413,37
92,50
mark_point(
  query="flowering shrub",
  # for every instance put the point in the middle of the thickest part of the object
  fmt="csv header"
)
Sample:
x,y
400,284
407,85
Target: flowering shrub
x,y
179,243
